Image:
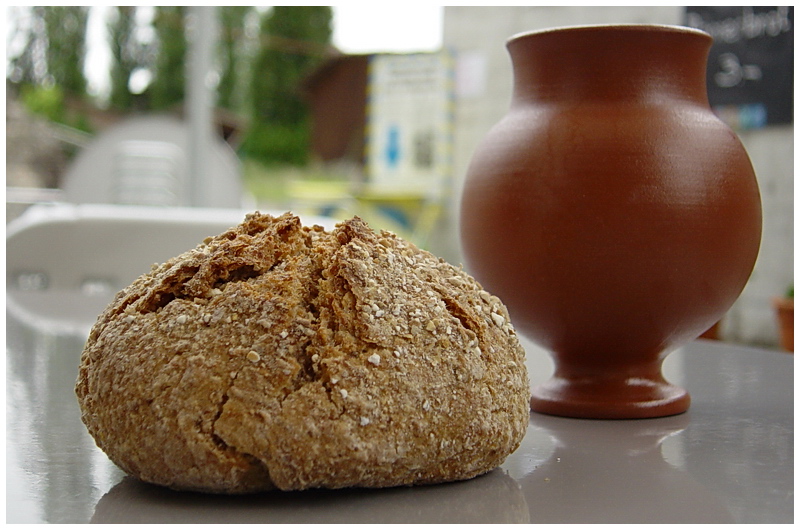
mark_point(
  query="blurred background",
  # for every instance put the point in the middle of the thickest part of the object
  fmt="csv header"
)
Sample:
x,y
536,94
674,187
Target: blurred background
x,y
340,111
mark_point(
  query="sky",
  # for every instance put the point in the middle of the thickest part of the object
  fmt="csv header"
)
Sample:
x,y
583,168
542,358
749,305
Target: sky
x,y
357,28
363,28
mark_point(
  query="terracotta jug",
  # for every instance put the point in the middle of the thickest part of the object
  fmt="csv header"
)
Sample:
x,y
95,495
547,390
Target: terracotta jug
x,y
611,211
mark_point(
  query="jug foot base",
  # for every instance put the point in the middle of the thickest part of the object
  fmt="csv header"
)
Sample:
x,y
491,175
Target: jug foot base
x,y
633,398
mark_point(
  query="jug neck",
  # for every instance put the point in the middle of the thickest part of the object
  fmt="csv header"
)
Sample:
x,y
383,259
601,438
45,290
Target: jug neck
x,y
610,63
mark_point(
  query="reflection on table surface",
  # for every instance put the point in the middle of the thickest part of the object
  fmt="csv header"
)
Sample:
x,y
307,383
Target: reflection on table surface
x,y
491,498
729,459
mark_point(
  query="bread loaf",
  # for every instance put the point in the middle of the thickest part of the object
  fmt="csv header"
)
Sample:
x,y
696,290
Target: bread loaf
x,y
281,356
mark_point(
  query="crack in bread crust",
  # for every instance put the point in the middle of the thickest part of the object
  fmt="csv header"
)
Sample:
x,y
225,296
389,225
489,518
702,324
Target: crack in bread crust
x,y
277,355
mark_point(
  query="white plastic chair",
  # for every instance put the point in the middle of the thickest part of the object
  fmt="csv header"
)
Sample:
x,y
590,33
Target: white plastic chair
x,y
65,262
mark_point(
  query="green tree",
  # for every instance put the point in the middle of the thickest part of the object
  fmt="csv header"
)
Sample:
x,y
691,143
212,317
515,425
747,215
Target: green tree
x,y
29,66
53,50
47,101
294,39
66,46
232,19
127,56
48,70
169,76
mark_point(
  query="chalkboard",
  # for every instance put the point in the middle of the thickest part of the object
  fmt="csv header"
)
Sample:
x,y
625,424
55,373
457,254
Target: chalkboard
x,y
751,64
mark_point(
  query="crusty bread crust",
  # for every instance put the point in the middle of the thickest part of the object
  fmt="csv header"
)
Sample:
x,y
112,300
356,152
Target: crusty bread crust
x,y
277,355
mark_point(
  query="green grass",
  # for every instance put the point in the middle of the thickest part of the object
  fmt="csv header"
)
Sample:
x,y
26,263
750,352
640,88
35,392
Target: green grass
x,y
281,187
268,187
316,191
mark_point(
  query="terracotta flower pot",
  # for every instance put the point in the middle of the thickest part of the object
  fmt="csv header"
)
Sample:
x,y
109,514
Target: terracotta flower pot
x,y
612,212
784,309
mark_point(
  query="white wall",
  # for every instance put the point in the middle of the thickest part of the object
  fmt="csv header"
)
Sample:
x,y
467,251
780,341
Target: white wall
x,y
752,319
477,36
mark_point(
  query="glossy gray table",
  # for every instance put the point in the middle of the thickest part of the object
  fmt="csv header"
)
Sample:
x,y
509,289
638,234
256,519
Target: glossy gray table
x,y
729,459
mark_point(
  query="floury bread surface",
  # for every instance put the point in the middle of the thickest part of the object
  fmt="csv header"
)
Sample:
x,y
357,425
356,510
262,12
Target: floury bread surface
x,y
281,356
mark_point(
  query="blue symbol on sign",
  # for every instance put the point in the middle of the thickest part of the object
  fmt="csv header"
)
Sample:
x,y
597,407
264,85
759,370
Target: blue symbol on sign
x,y
393,146
752,116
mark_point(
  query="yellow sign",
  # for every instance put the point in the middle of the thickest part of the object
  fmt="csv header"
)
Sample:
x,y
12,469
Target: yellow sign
x,y
409,131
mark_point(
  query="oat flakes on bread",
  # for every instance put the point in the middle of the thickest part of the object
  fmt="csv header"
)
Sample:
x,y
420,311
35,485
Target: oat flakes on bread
x,y
281,356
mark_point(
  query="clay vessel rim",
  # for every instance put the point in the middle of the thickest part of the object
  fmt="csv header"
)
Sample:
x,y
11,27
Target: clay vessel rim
x,y
660,28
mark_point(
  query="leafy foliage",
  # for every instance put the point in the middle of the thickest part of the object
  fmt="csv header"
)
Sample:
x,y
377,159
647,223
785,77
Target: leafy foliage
x,y
260,75
66,35
275,143
231,55
128,55
294,39
54,49
47,101
169,78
